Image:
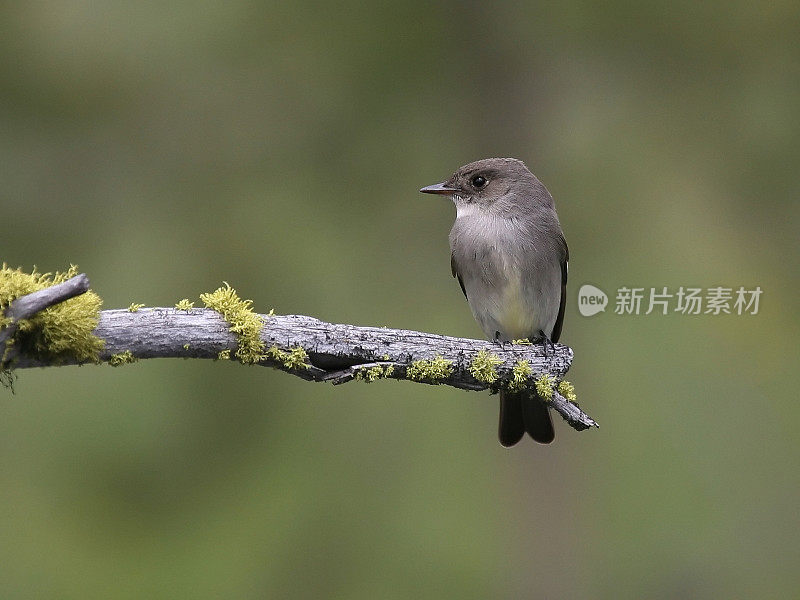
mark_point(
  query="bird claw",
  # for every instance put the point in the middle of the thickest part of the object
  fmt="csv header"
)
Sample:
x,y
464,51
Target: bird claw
x,y
545,341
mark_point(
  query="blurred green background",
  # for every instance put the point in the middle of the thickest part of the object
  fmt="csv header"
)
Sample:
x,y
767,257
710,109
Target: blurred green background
x,y
280,147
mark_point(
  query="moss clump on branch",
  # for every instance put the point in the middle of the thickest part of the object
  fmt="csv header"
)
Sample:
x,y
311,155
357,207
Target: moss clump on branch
x,y
184,305
544,386
245,323
430,370
134,307
60,332
519,375
566,389
371,374
294,358
125,357
484,366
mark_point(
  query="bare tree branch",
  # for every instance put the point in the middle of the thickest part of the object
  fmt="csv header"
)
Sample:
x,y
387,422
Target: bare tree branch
x,y
335,353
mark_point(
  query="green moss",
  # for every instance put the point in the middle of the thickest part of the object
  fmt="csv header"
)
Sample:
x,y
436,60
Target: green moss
x,y
566,389
519,375
122,358
184,304
224,354
374,373
430,370
245,323
522,342
294,358
484,366
63,331
186,346
135,307
544,386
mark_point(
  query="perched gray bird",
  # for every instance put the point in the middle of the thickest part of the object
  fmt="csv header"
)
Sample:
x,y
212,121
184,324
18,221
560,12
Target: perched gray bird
x,y
510,257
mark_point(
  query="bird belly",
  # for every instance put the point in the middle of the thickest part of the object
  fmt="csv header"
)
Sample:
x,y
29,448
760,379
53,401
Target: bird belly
x,y
514,315
503,311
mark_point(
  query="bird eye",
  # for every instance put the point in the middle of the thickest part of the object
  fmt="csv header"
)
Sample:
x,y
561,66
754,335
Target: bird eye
x,y
479,181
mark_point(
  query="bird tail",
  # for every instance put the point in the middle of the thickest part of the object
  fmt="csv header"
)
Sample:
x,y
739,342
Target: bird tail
x,y
521,412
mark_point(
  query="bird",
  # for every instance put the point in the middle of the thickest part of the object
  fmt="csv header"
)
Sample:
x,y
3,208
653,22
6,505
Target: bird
x,y
509,255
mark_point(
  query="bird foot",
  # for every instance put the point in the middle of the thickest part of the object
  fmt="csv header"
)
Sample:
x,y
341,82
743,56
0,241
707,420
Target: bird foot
x,y
545,341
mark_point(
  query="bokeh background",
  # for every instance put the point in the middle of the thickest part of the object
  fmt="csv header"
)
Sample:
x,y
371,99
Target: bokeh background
x,y
280,147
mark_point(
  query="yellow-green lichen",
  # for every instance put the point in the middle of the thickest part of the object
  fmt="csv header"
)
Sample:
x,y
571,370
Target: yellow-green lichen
x,y
294,358
566,389
430,370
519,375
122,358
371,374
135,307
186,346
484,366
224,354
61,332
544,386
522,342
245,323
184,304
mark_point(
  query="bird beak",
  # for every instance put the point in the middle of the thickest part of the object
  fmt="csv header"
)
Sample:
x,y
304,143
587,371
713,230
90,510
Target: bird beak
x,y
439,188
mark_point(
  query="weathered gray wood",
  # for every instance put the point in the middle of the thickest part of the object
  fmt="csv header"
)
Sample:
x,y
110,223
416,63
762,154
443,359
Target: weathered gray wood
x,y
336,353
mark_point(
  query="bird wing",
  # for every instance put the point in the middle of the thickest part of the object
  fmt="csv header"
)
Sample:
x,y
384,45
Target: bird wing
x,y
456,274
562,305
